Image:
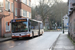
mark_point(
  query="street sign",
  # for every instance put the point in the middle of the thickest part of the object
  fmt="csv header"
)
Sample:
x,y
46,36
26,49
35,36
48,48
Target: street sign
x,y
67,23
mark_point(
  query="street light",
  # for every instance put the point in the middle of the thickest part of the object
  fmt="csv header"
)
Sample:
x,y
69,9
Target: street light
x,y
63,25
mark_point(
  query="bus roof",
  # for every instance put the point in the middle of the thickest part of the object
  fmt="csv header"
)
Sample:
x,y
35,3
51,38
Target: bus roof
x,y
28,19
36,20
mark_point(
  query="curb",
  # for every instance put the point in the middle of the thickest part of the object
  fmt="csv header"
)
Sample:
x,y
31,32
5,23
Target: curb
x,y
51,48
71,40
6,39
52,31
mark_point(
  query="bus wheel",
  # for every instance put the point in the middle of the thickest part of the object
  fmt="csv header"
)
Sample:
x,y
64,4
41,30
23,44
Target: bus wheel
x,y
13,38
17,38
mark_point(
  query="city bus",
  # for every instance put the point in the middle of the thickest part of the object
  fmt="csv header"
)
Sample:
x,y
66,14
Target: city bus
x,y
26,28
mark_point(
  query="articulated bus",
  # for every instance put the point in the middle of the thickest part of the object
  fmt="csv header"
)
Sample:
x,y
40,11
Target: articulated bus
x,y
26,28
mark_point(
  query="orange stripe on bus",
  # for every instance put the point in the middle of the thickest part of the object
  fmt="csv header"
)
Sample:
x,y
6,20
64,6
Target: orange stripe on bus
x,y
20,36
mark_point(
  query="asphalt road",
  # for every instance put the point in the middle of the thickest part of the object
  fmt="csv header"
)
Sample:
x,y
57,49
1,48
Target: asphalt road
x,y
43,42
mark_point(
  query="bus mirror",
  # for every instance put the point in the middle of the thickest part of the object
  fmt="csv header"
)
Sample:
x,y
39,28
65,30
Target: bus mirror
x,y
8,23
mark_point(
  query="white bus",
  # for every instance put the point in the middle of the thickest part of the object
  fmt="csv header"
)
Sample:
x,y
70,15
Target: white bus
x,y
26,28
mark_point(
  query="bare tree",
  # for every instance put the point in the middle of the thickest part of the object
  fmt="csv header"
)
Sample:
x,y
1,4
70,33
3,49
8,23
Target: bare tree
x,y
53,9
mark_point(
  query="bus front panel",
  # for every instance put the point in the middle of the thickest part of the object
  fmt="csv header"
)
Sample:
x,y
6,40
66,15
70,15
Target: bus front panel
x,y
20,29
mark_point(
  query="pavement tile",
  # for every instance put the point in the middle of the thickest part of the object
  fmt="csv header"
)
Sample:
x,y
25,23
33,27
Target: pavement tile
x,y
64,43
4,39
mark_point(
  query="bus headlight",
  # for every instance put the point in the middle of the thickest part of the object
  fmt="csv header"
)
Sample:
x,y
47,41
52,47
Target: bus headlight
x,y
28,34
13,35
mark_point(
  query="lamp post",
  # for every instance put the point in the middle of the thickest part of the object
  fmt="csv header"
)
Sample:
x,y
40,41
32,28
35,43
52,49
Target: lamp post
x,y
63,26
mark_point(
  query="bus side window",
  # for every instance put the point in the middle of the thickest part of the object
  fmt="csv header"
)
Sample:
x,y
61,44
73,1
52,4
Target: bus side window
x,y
29,26
41,25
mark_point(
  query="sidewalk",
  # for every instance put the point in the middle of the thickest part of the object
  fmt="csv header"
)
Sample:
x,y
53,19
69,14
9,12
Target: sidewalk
x,y
63,43
4,39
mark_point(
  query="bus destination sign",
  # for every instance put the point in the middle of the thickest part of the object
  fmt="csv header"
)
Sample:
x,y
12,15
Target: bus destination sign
x,y
21,20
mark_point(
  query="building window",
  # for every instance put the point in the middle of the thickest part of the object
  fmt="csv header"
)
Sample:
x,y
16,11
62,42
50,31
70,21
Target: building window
x,y
29,14
15,11
1,4
7,27
7,5
24,13
25,1
21,12
21,0
12,7
29,3
16,0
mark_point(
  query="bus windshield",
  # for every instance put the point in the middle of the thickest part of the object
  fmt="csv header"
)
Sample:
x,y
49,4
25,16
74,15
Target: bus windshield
x,y
19,27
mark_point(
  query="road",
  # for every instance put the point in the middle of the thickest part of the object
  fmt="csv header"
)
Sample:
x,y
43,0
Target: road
x,y
43,42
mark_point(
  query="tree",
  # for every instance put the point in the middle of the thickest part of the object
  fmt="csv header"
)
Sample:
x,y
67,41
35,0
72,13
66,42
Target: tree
x,y
54,10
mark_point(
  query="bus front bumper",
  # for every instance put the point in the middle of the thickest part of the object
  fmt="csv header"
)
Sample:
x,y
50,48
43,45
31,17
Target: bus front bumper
x,y
20,36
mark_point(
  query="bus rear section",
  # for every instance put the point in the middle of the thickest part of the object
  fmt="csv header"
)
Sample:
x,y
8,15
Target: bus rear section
x,y
35,27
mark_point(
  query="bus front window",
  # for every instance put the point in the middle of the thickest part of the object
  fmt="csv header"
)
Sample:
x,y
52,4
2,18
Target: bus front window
x,y
19,27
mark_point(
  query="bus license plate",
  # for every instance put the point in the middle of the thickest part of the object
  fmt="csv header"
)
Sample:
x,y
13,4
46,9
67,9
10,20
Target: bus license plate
x,y
20,36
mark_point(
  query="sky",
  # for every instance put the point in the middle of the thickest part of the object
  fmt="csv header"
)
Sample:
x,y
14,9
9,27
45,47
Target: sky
x,y
36,2
65,0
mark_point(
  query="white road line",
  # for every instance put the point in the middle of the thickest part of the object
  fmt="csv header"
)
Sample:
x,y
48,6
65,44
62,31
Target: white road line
x,y
11,46
19,43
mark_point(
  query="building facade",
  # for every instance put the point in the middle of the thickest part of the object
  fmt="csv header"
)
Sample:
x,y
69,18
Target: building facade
x,y
71,14
17,8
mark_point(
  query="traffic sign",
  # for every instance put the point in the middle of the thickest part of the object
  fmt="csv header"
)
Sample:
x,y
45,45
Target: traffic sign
x,y
67,23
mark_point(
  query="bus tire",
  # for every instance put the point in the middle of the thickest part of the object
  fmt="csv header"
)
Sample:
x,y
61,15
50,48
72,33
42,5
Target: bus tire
x,y
13,38
17,38
38,33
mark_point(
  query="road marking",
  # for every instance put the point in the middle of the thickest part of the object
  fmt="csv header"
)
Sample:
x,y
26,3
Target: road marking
x,y
11,46
19,43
